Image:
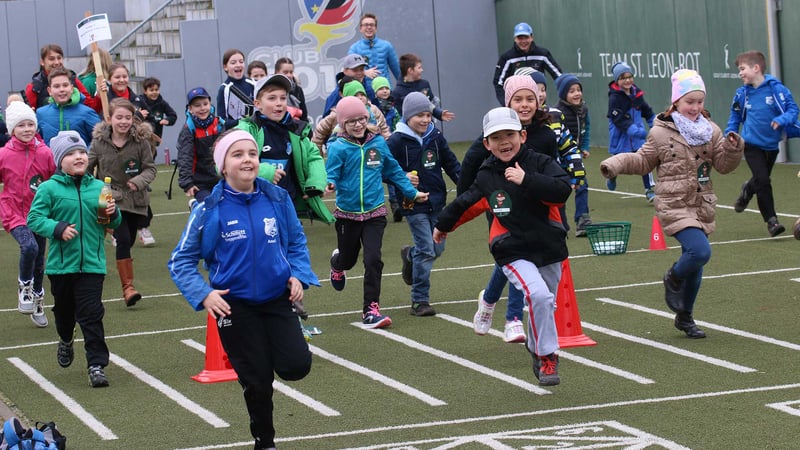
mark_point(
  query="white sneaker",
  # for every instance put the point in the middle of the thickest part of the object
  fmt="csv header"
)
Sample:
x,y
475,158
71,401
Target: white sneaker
x,y
25,297
515,331
483,316
146,237
38,317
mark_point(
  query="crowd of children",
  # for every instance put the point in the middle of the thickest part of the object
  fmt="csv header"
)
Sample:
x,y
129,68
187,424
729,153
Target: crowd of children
x,y
256,163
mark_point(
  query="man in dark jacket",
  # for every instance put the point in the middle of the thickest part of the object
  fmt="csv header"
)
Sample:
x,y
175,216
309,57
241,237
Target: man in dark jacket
x,y
524,53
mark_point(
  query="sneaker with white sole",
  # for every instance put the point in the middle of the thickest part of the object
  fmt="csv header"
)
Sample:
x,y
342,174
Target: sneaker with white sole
x,y
373,318
38,317
482,321
545,368
338,277
146,237
25,296
514,332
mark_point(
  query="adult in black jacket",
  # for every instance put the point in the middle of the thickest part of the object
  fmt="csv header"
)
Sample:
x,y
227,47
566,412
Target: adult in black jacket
x,y
524,53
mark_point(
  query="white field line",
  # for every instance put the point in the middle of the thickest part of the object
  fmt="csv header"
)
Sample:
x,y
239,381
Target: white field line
x,y
790,407
709,277
282,388
669,348
375,376
65,400
709,325
116,336
183,401
562,354
483,370
563,412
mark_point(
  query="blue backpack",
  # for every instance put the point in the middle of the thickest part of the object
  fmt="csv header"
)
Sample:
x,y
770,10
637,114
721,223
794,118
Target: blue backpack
x,y
44,436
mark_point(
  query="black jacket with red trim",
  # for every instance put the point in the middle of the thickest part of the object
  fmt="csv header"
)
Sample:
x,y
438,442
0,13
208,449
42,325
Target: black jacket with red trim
x,y
526,224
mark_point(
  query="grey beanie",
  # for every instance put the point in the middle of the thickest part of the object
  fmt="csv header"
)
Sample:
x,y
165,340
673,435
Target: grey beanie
x,y
415,103
63,143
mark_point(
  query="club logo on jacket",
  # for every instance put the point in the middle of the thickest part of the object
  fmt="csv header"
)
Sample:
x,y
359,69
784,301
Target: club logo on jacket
x,y
270,228
131,167
34,182
500,203
373,158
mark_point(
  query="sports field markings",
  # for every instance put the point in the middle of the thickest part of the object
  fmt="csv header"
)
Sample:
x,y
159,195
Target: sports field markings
x,y
503,417
669,348
172,394
483,370
282,388
791,407
375,376
601,434
562,354
64,400
709,325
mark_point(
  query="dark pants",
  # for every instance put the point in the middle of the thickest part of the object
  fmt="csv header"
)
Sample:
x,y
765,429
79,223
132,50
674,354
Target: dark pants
x,y
31,256
78,298
761,163
262,340
351,236
144,221
125,233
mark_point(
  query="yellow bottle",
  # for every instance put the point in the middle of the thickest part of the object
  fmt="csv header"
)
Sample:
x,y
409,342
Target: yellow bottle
x,y
102,203
408,203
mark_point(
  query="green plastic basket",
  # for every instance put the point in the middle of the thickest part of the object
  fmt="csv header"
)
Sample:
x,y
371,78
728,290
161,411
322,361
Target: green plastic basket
x,y
609,238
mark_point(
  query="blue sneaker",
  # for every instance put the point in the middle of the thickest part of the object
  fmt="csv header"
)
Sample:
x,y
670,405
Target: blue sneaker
x,y
338,277
650,194
611,184
373,317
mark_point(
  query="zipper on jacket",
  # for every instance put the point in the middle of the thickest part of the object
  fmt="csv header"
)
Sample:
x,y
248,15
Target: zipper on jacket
x,y
80,220
253,257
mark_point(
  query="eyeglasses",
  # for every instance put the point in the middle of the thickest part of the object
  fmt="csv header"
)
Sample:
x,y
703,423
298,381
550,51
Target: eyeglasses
x,y
369,25
626,77
359,121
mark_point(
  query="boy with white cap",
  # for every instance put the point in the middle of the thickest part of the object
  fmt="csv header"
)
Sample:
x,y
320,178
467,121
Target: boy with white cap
x,y
522,190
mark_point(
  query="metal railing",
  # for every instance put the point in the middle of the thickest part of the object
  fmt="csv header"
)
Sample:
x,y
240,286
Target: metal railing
x,y
139,26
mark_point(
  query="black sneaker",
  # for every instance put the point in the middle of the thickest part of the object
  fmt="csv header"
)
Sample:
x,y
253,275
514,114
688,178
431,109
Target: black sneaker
x,y
580,227
773,227
422,309
547,372
673,291
744,198
97,378
65,353
408,267
338,277
685,323
397,212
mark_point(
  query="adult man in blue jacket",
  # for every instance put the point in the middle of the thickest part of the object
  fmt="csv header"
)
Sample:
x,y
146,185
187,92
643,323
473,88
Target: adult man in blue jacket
x,y
378,53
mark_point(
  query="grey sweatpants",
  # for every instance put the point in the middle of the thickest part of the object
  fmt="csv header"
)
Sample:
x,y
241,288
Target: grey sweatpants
x,y
540,285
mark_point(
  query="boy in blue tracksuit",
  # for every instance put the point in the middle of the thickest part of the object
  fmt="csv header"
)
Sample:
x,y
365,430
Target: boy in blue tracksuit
x,y
420,148
765,109
65,110
248,233
626,132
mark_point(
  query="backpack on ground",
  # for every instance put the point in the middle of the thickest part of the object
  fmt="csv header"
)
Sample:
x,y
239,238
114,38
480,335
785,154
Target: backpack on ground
x,y
44,436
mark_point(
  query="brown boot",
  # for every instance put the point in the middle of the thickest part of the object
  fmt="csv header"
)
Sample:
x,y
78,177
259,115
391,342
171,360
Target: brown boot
x,y
129,293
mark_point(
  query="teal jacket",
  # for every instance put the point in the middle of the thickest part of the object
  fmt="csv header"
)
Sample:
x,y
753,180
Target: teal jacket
x,y
57,204
308,165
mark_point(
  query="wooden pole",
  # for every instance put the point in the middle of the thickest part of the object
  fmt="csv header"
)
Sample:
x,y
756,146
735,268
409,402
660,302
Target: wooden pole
x,y
99,75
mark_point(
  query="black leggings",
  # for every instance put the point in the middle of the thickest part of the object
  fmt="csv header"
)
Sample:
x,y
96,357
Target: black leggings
x,y
761,163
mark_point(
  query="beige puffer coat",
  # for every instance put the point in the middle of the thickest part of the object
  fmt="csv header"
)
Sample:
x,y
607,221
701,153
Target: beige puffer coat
x,y
133,162
684,192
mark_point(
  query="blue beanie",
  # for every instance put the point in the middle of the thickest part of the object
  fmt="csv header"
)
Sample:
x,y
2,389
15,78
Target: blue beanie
x,y
564,82
620,69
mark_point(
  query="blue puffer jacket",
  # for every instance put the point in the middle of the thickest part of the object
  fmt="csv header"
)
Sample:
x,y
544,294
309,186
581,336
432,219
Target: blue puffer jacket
x,y
428,155
74,115
378,53
626,132
251,244
358,171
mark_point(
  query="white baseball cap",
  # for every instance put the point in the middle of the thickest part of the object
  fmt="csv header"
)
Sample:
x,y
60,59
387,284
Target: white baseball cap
x,y
499,119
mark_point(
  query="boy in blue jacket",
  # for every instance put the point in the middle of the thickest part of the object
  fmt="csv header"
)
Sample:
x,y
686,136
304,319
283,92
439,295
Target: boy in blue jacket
x,y
65,110
422,152
626,132
764,108
247,226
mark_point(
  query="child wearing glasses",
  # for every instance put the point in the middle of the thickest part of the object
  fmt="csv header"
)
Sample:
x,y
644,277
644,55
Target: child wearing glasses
x,y
626,132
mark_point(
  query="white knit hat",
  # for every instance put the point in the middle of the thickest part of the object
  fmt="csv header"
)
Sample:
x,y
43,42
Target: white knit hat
x,y
16,112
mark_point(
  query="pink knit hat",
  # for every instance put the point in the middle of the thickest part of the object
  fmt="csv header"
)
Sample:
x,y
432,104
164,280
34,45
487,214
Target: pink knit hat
x,y
516,83
225,142
685,81
350,108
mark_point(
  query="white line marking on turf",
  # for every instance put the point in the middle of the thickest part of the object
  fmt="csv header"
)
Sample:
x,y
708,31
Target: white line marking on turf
x,y
483,370
558,411
669,348
65,400
118,336
183,401
709,325
562,354
711,277
392,383
282,388
791,407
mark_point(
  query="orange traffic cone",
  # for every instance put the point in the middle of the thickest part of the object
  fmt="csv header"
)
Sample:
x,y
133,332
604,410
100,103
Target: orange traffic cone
x,y
657,241
218,368
568,319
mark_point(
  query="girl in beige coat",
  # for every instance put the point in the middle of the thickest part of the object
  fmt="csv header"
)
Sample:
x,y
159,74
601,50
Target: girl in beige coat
x,y
121,150
683,146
